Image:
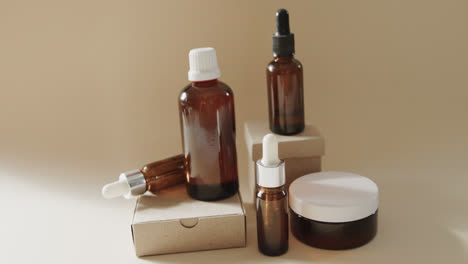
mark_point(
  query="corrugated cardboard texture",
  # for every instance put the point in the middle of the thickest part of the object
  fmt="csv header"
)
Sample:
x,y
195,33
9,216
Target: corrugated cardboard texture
x,y
173,222
301,153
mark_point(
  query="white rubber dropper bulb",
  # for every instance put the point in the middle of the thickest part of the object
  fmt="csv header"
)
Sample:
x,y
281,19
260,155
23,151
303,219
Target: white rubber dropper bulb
x,y
270,151
115,189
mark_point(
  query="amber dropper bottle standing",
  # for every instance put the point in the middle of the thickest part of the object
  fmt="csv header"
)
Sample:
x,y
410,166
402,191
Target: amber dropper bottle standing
x,y
208,129
271,201
285,82
152,177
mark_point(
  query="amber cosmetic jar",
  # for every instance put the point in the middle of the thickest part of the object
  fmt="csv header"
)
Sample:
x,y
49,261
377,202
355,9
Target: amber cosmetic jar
x,y
333,210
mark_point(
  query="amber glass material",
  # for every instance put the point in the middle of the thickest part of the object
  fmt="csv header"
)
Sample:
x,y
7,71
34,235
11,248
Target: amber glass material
x,y
209,140
164,173
285,95
272,220
334,235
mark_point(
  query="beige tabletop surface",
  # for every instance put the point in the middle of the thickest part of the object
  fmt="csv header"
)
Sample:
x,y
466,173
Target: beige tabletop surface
x,y
88,89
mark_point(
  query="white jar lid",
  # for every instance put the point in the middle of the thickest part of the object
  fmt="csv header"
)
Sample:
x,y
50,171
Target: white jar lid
x,y
334,197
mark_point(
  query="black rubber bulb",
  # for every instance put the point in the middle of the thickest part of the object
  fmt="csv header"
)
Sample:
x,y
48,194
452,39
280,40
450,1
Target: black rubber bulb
x,y
282,22
283,39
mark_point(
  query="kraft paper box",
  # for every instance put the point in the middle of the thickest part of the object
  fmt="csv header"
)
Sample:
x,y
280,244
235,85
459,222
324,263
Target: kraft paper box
x,y
172,222
302,153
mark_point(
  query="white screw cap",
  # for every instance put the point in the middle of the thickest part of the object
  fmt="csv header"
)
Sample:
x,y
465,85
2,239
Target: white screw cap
x,y
333,197
203,65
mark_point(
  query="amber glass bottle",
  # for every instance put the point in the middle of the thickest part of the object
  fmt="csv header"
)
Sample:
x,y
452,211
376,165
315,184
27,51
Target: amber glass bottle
x,y
272,220
165,173
285,82
207,119
271,200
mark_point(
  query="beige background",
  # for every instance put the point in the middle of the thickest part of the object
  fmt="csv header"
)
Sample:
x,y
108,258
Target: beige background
x,y
88,89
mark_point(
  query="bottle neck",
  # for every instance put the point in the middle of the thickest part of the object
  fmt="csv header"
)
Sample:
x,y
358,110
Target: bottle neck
x,y
270,190
207,83
283,58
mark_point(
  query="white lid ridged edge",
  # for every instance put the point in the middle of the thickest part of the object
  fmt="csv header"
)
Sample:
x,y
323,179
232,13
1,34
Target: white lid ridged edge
x,y
203,65
334,197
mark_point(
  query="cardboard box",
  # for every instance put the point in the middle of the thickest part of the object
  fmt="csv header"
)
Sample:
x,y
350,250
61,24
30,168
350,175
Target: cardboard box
x,y
172,222
302,153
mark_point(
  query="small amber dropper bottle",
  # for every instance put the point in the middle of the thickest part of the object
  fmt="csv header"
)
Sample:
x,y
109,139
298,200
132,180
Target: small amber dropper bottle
x,y
152,177
285,82
271,201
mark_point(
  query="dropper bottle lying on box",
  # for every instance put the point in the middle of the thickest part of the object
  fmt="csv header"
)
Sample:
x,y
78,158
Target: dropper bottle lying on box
x,y
152,177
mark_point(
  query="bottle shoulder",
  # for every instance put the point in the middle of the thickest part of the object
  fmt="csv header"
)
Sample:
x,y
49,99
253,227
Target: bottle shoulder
x,y
184,94
225,87
281,65
186,88
217,90
271,193
297,63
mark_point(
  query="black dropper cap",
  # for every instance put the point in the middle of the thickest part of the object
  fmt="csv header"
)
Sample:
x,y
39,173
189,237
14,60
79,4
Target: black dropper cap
x,y
283,39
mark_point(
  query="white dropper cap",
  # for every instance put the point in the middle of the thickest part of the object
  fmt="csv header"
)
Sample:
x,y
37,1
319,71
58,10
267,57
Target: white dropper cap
x,y
270,151
115,189
130,183
203,65
270,169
